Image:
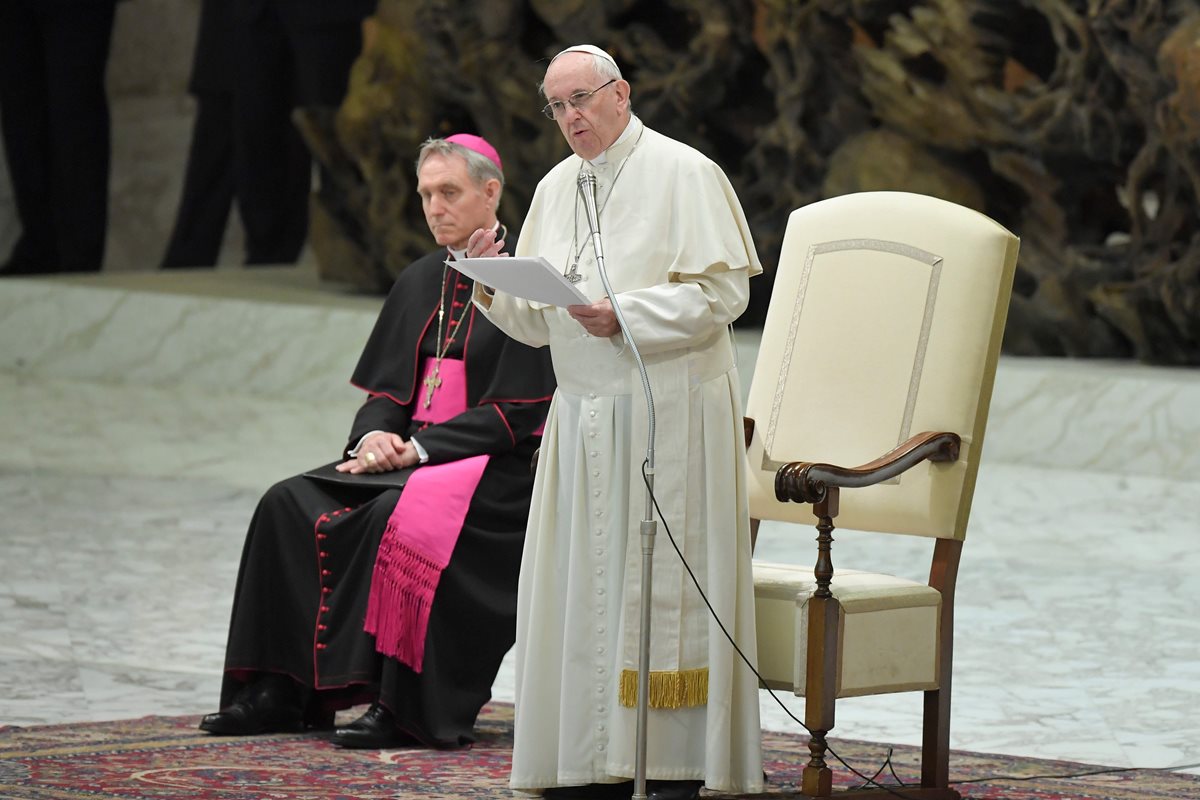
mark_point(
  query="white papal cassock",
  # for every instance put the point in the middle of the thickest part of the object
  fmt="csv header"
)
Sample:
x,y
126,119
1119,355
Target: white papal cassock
x,y
679,254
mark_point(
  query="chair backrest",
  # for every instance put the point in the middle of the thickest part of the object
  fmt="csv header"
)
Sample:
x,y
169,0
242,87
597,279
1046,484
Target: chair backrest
x,y
885,321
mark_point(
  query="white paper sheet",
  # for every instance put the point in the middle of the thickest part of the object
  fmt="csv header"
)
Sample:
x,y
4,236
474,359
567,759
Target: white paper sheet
x,y
533,278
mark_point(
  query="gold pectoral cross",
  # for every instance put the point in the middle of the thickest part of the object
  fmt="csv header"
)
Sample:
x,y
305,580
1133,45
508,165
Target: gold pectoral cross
x,y
432,382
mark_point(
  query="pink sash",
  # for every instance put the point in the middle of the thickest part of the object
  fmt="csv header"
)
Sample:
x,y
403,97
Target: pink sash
x,y
421,532
450,395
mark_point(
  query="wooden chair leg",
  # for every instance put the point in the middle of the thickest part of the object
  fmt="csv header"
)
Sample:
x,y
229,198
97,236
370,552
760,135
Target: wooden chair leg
x,y
820,690
935,739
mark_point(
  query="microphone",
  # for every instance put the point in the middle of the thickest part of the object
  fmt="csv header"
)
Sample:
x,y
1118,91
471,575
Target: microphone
x,y
587,190
648,527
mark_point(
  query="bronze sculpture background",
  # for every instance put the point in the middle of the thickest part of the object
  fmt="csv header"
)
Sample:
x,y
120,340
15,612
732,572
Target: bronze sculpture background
x,y
1075,123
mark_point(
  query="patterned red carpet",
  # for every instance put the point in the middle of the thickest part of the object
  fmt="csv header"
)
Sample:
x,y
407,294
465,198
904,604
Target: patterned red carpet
x,y
166,757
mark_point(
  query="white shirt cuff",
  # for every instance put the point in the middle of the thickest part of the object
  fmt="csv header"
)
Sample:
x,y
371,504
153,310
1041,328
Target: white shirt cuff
x,y
354,453
421,454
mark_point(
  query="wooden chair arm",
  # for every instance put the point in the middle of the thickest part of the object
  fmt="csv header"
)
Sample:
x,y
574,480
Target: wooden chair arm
x,y
806,482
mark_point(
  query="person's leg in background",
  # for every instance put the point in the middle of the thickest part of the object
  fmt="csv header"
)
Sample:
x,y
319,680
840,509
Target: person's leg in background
x,y
208,184
325,52
272,168
25,124
78,39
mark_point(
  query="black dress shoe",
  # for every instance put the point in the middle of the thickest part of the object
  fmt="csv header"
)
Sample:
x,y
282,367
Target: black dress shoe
x,y
590,791
673,790
270,704
374,730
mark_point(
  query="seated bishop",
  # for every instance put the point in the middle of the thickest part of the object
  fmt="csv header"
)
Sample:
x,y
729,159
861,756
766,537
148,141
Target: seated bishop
x,y
389,577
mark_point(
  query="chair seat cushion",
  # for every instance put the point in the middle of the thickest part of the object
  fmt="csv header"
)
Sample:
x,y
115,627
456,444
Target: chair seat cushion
x,y
888,629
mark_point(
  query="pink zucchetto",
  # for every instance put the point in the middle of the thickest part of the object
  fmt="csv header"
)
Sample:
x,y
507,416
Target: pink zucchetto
x,y
478,144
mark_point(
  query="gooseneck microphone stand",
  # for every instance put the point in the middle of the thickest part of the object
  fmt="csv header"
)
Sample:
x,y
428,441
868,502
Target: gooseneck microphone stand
x,y
587,189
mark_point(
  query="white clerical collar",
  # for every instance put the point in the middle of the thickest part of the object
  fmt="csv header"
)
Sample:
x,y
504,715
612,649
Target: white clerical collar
x,y
459,255
625,134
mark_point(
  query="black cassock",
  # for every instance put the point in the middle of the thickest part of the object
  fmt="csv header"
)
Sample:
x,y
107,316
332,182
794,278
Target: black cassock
x,y
306,567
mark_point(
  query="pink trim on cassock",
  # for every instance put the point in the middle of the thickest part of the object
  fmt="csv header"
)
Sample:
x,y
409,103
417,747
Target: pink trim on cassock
x,y
420,535
504,419
516,399
540,429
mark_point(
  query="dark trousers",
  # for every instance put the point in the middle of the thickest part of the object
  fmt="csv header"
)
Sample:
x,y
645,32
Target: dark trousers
x,y
207,185
280,64
55,123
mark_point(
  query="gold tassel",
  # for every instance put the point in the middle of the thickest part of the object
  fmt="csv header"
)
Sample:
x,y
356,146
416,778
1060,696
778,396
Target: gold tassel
x,y
668,689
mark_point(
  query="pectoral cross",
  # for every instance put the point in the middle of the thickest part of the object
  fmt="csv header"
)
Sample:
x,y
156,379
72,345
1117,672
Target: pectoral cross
x,y
573,274
431,382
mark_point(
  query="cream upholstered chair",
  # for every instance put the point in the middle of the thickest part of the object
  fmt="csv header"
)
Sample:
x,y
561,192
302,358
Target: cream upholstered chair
x,y
868,406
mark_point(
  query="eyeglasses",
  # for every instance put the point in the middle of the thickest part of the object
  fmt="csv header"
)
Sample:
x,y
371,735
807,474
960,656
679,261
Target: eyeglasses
x,y
578,101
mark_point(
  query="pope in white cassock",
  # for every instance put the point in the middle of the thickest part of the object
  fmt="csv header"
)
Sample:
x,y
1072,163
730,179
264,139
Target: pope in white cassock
x,y
679,257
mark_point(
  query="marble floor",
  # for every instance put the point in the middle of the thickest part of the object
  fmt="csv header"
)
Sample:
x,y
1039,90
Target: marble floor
x,y
141,415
